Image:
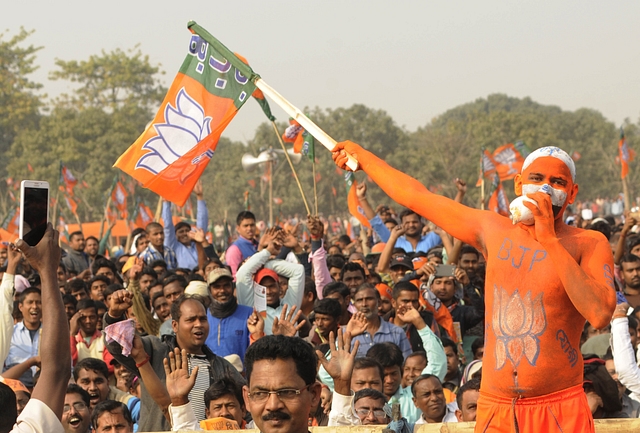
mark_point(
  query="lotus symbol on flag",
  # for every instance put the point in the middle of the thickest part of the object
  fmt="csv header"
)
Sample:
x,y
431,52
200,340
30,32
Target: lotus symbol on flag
x,y
517,323
183,128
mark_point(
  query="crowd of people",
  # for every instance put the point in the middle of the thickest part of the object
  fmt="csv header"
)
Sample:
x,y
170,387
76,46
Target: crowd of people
x,y
296,325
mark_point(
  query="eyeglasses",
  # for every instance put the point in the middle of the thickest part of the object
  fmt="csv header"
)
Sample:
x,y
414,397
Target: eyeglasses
x,y
283,394
365,412
78,406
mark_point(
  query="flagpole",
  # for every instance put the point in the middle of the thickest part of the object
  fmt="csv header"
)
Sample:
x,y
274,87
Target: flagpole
x,y
482,193
625,191
55,209
315,185
270,168
303,120
156,217
295,175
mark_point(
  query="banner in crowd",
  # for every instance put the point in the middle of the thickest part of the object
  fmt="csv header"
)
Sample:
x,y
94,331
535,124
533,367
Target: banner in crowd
x,y
626,155
211,86
498,201
67,180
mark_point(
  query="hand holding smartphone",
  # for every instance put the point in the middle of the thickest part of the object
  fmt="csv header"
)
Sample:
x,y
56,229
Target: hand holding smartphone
x,y
34,210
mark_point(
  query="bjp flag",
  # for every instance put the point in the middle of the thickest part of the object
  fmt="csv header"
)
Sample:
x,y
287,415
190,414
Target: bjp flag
x,y
211,86
508,161
626,155
352,199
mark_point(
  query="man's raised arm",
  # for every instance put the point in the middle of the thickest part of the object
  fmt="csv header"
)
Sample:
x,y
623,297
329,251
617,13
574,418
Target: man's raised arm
x,y
54,342
462,222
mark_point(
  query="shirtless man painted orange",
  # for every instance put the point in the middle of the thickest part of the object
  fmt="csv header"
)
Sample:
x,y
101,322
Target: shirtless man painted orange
x,y
542,281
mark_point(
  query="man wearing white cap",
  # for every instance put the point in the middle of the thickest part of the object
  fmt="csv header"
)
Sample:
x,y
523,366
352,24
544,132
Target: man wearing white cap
x,y
543,279
228,332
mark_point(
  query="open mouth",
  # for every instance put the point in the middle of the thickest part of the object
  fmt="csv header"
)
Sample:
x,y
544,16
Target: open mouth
x,y
75,421
198,334
94,397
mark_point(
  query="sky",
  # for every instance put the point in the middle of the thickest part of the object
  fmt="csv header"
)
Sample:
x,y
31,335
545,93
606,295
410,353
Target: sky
x,y
412,59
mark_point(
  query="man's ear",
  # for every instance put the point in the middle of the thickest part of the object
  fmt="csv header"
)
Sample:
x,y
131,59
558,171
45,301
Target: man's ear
x,y
174,326
316,390
517,184
574,193
394,304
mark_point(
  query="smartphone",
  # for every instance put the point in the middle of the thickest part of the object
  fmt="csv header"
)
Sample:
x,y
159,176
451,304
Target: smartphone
x,y
445,270
34,210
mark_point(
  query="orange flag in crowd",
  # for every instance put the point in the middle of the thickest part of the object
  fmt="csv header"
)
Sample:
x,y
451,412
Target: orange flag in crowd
x,y
352,199
508,161
626,155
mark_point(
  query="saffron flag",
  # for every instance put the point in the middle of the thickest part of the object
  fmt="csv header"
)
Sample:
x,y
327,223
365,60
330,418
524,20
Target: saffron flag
x,y
63,229
352,199
487,166
210,87
498,201
119,197
144,215
508,161
11,222
67,179
293,134
626,155
71,204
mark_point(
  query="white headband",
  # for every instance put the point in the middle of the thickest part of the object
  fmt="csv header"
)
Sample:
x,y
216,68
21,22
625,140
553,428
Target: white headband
x,y
555,152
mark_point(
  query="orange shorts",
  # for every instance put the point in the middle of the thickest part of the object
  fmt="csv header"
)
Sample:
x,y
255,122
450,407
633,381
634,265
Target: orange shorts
x,y
562,411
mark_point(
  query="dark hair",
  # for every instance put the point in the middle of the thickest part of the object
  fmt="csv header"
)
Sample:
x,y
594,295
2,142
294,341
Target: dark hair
x,y
335,261
27,292
182,281
352,267
629,258
449,343
94,364
75,285
468,249
477,344
472,385
100,306
99,278
156,296
153,225
9,408
336,287
633,322
111,289
274,347
158,263
110,406
367,286
344,238
420,379
103,263
602,227
419,353
86,303
329,307
93,238
182,224
222,387
398,251
137,231
387,354
76,233
366,362
373,394
195,277
404,286
73,388
62,265
176,312
407,212
68,299
310,287
244,215
147,270
185,271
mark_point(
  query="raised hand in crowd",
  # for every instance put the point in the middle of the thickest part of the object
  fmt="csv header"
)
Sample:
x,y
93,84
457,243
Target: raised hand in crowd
x,y
408,314
197,234
271,236
255,325
287,323
461,276
340,366
426,270
316,227
198,190
357,324
152,382
178,380
461,186
119,303
290,239
136,269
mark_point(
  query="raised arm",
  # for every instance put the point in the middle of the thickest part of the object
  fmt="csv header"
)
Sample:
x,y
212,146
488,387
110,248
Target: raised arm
x,y
202,216
436,358
6,301
460,221
385,256
54,342
318,255
244,277
170,238
620,247
589,282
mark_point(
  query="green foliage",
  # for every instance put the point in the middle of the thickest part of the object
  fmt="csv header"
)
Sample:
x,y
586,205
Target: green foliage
x,y
114,95
19,102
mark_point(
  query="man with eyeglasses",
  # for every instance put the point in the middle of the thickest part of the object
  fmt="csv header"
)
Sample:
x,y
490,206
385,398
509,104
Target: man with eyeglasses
x,y
76,417
369,405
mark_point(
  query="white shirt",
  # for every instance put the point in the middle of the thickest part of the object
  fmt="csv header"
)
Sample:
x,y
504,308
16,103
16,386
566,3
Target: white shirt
x,y
37,417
